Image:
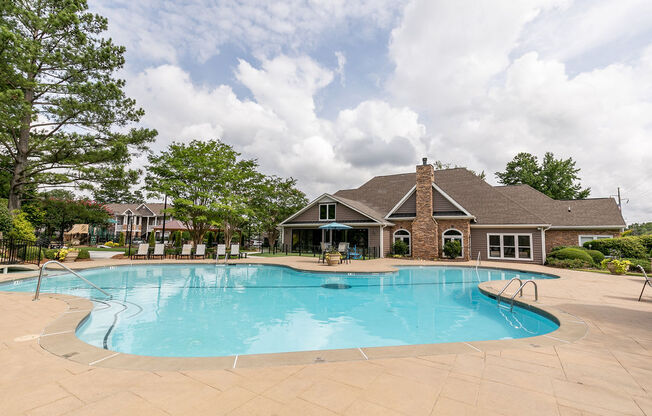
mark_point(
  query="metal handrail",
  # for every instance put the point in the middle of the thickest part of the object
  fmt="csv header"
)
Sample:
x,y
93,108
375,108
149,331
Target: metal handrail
x,y
536,292
477,264
520,283
40,277
648,281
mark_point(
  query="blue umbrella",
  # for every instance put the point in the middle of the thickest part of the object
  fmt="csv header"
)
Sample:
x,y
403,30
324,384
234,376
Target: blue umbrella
x,y
334,226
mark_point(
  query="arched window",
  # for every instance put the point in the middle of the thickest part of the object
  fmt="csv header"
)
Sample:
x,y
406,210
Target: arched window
x,y
404,235
453,234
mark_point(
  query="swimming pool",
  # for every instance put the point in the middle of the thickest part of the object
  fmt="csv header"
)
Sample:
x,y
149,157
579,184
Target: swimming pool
x,y
199,310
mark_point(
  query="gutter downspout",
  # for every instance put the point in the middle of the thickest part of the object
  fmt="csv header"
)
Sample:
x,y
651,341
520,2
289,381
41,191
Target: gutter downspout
x,y
543,243
382,236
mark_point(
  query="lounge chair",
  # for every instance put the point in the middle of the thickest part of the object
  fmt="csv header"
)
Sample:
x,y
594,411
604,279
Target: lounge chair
x,y
143,251
200,251
324,250
186,251
159,251
648,281
343,249
235,250
221,251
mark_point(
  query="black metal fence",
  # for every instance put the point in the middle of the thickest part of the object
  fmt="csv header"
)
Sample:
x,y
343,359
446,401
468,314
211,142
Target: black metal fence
x,y
14,251
360,253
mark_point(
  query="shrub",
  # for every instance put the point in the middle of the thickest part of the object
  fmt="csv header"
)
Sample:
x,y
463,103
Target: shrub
x,y
50,253
134,250
572,253
630,247
452,249
152,239
31,254
21,228
642,262
121,241
596,255
646,241
83,254
400,248
619,266
567,263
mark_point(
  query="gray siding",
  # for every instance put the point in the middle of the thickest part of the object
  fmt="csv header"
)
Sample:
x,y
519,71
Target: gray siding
x,y
479,242
409,206
442,204
342,214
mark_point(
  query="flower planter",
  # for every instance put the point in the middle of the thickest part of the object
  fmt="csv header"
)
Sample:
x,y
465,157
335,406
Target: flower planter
x,y
613,269
332,259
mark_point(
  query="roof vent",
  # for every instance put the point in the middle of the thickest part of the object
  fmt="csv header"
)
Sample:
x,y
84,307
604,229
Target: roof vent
x,y
424,161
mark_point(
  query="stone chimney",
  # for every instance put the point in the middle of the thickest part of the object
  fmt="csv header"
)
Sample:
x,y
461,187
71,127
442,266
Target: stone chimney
x,y
424,226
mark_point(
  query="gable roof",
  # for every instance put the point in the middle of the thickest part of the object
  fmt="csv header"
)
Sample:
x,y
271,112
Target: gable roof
x,y
353,204
144,209
566,213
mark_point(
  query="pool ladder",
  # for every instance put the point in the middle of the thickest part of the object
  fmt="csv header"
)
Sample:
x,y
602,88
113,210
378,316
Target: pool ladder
x,y
518,291
40,277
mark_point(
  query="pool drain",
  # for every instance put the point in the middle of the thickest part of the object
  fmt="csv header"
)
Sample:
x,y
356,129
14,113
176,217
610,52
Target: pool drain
x,y
336,286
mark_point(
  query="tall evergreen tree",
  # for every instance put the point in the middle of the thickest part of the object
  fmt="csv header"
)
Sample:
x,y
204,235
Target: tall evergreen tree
x,y
64,117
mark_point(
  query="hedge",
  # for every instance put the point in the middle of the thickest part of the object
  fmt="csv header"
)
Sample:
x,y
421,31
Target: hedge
x,y
643,262
567,263
31,254
596,255
646,240
83,254
571,253
631,247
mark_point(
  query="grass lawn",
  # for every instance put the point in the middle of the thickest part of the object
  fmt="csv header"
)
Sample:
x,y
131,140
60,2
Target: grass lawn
x,y
278,254
607,272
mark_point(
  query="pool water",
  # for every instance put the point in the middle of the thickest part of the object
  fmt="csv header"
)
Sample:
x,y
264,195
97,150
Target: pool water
x,y
197,310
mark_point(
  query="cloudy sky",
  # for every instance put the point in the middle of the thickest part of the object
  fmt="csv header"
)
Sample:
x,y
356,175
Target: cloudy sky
x,y
333,92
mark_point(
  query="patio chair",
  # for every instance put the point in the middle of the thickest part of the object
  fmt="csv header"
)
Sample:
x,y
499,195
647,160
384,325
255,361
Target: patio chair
x,y
143,251
235,250
221,251
355,254
159,251
648,281
200,251
324,249
186,251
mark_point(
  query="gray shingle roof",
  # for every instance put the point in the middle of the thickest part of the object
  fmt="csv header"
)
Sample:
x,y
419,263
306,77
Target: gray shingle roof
x,y
490,205
156,207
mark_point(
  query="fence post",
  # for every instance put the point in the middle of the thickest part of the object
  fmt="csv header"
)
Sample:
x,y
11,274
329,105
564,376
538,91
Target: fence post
x,y
40,248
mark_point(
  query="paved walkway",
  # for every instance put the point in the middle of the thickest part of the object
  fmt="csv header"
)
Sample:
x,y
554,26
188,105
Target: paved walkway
x,y
608,372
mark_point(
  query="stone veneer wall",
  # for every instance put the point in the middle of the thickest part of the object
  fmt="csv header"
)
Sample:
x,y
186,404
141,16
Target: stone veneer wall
x,y
424,227
556,238
461,225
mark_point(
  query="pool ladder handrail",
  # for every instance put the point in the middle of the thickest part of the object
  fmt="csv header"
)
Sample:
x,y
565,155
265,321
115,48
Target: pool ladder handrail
x,y
477,263
40,277
520,283
536,293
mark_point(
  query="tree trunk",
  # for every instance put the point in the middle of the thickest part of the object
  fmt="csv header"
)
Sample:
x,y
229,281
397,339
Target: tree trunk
x,y
16,184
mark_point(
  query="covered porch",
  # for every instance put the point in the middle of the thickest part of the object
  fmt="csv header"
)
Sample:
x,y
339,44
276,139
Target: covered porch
x,y
309,238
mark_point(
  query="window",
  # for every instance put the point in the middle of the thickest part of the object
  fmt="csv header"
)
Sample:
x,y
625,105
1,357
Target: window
x,y
404,235
326,212
450,235
509,246
587,238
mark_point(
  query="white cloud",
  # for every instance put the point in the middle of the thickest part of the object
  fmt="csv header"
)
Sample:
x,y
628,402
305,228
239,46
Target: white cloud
x,y
280,127
484,104
162,31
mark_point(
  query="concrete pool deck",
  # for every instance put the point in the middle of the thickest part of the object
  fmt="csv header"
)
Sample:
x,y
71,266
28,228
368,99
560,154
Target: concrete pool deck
x,y
604,370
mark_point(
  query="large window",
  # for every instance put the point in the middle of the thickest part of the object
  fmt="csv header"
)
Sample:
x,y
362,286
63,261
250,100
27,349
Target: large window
x,y
587,238
326,212
450,235
404,235
509,246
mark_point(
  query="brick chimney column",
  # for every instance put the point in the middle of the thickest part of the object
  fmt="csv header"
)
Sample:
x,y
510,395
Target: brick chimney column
x,y
424,226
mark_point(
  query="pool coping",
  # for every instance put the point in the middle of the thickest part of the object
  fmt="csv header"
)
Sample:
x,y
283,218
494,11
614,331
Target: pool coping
x,y
59,338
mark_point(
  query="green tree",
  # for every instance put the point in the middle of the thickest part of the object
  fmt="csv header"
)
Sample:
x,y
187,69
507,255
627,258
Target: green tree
x,y
115,186
121,239
64,117
21,228
6,220
438,164
640,229
61,214
557,178
207,182
276,199
152,239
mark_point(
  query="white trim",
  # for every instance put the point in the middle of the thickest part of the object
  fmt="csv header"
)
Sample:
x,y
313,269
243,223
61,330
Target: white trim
x,y
382,237
402,201
125,212
516,246
451,217
587,227
318,199
143,205
597,237
317,224
457,237
509,225
409,236
334,204
543,245
450,199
